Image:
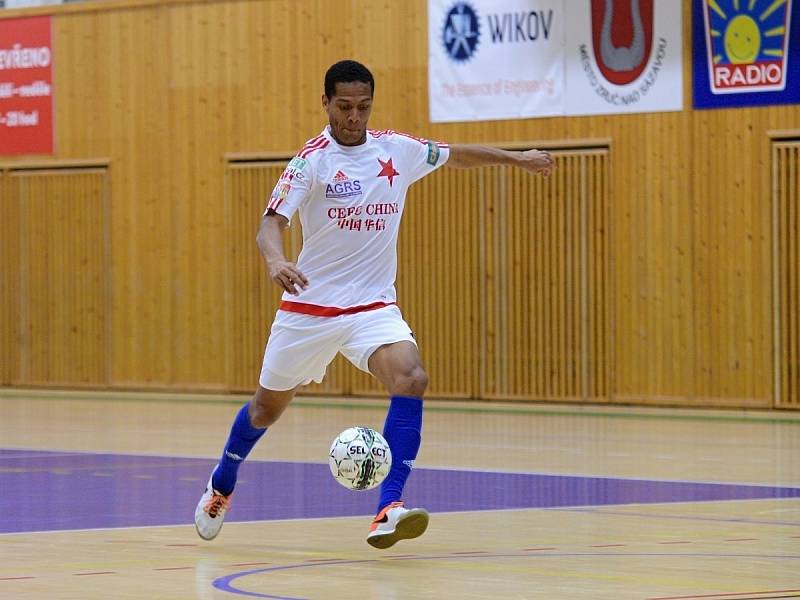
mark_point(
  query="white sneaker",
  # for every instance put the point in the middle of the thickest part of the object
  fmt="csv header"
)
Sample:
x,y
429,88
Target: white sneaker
x,y
210,512
395,523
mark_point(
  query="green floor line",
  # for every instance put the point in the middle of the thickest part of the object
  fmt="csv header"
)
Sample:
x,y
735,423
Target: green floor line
x,y
431,407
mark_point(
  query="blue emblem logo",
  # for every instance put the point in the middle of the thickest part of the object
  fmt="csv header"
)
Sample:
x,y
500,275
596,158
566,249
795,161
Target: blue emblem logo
x,y
461,32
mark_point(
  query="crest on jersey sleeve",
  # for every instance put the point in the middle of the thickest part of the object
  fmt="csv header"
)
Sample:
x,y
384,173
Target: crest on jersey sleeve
x,y
294,170
433,153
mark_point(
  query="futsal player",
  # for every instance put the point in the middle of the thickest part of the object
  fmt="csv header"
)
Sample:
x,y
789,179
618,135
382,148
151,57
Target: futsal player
x,y
348,185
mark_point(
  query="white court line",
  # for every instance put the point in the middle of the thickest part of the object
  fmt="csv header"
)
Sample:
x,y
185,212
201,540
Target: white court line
x,y
591,509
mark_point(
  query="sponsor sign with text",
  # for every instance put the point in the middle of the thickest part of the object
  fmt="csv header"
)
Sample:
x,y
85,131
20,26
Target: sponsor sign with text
x,y
26,86
746,52
491,59
511,59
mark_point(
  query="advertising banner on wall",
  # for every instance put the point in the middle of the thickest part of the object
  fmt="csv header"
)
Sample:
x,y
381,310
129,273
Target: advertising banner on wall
x,y
745,52
491,59
624,56
511,59
26,84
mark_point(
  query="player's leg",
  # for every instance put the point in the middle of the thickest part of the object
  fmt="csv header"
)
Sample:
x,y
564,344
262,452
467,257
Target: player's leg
x,y
298,351
249,425
399,367
382,344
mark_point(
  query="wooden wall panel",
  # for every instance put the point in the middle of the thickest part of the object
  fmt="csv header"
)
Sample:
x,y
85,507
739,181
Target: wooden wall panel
x,y
653,253
732,271
165,91
598,310
149,329
10,273
786,170
550,311
63,289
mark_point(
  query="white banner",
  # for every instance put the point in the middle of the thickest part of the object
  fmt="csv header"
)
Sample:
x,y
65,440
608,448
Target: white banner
x,y
512,59
624,56
495,59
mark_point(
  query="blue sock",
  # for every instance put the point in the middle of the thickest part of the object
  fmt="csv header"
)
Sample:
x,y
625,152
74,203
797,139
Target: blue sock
x,y
403,431
241,440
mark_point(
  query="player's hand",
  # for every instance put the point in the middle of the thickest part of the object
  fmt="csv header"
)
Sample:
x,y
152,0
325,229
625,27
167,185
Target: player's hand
x,y
288,276
537,161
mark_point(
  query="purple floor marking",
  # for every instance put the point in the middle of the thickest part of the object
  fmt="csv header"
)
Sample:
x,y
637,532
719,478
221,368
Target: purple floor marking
x,y
54,491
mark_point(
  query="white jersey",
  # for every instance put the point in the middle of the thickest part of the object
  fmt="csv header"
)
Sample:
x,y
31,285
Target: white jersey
x,y
351,199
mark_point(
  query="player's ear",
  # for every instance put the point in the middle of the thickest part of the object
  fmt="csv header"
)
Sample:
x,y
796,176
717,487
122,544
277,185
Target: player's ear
x,y
324,101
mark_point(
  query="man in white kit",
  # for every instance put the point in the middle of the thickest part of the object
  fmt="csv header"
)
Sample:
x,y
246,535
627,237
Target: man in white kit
x,y
349,185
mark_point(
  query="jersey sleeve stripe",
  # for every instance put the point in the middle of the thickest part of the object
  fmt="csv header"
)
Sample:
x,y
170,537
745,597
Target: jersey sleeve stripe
x,y
312,141
319,146
413,137
381,133
308,148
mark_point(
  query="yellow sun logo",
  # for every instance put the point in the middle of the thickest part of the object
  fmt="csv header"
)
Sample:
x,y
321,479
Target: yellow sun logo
x,y
742,40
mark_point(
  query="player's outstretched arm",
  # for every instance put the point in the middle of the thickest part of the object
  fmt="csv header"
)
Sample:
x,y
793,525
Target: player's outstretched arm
x,y
270,242
464,156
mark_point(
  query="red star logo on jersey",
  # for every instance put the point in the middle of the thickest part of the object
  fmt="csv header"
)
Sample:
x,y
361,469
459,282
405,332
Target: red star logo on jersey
x,y
388,171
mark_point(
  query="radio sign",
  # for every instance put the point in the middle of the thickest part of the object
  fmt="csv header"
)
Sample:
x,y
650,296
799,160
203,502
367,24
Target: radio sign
x,y
747,44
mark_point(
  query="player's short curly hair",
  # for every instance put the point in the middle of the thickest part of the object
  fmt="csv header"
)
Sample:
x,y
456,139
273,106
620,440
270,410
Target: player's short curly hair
x,y
347,71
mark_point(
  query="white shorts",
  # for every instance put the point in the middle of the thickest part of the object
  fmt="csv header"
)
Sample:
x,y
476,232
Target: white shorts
x,y
300,347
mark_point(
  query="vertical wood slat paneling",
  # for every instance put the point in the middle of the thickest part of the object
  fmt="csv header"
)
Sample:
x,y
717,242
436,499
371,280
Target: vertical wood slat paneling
x,y
786,195
63,286
551,316
536,287
10,273
598,269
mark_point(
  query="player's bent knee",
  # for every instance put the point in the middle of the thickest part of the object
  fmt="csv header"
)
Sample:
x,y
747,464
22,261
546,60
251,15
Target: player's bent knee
x,y
413,382
263,416
267,407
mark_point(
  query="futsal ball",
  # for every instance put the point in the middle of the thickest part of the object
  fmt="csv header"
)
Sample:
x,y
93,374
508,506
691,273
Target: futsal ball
x,y
360,458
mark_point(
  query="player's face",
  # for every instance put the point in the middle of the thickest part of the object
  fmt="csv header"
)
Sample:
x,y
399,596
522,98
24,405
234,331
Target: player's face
x,y
348,112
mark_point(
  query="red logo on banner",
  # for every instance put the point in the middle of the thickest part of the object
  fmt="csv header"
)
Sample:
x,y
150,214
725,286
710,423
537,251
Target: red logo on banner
x,y
622,36
26,86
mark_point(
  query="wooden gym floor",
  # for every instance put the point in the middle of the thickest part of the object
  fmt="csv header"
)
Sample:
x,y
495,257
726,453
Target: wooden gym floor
x,y
527,501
